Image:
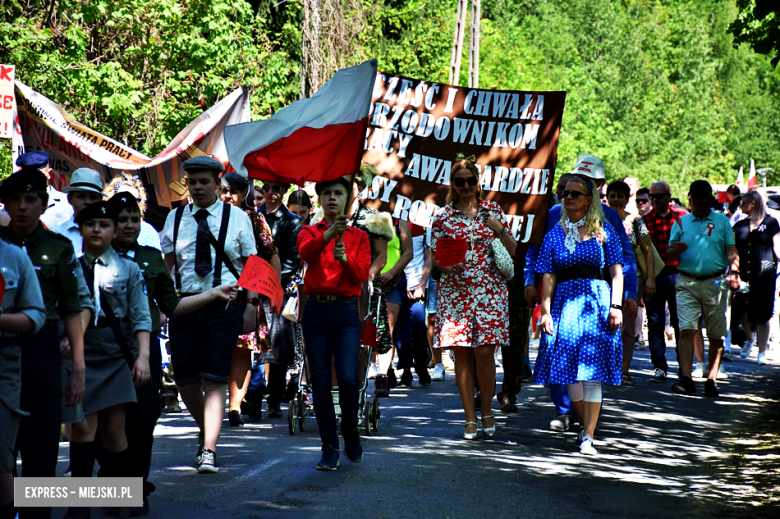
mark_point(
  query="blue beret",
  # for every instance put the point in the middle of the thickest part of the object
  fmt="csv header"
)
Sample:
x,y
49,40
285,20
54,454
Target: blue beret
x,y
103,209
25,181
203,163
33,160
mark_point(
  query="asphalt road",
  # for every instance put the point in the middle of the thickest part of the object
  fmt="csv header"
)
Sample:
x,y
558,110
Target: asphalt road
x,y
660,455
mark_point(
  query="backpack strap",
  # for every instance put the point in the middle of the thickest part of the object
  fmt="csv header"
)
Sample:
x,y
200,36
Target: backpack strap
x,y
223,227
176,223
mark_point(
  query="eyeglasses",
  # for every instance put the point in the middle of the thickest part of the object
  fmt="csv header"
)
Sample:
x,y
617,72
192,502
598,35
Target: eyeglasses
x,y
275,189
658,196
574,194
642,200
460,181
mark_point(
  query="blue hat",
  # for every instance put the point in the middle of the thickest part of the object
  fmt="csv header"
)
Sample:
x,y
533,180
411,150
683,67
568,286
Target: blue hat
x,y
104,209
85,179
33,160
25,181
203,163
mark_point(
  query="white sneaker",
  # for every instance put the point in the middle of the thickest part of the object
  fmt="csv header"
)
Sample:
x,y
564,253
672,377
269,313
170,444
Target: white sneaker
x,y
586,447
722,373
762,359
438,372
699,371
372,371
746,349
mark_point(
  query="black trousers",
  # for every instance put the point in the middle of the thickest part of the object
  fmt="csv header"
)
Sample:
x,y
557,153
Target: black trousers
x,y
277,383
38,440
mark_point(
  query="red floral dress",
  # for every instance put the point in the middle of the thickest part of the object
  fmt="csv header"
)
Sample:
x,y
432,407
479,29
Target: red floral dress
x,y
473,307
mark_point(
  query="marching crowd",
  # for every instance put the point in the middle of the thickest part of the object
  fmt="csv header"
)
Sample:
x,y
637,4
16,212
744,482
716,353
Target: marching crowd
x,y
90,289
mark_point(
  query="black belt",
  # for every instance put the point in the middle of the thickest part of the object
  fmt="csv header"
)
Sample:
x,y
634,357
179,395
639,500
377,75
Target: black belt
x,y
583,272
703,277
328,298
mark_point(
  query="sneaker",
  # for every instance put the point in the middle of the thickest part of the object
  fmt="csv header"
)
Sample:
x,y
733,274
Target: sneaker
x,y
423,377
700,370
659,377
200,447
722,373
560,423
746,349
330,458
438,372
711,388
762,359
639,343
353,451
727,357
586,447
406,379
372,371
208,462
235,419
684,386
381,388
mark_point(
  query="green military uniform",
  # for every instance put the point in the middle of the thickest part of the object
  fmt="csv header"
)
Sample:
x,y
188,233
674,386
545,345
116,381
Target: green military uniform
x,y
159,284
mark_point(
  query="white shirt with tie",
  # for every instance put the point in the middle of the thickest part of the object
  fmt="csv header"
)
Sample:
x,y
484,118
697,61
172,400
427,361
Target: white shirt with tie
x,y
239,242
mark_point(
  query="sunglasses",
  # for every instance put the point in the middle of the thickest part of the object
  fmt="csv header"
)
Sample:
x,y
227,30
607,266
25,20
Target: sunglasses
x,y
658,196
574,194
460,181
642,200
275,189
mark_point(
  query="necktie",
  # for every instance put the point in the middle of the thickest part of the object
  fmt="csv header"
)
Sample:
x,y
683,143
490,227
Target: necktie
x,y
203,263
96,271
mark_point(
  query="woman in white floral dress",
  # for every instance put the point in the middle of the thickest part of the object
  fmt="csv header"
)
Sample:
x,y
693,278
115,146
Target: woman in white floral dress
x,y
472,296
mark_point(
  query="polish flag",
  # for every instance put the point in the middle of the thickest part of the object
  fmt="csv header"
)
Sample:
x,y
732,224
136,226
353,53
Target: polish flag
x,y
740,178
752,180
315,139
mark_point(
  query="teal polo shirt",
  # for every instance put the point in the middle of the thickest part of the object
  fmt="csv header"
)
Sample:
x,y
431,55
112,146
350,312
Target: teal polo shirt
x,y
707,239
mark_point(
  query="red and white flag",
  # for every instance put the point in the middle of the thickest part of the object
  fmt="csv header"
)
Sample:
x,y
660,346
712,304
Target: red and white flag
x,y
740,178
752,180
315,139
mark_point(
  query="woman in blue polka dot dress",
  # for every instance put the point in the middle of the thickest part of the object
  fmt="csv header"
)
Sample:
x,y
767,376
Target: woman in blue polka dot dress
x,y
581,345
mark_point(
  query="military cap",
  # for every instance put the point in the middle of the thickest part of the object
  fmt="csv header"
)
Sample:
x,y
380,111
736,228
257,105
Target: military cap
x,y
33,160
85,179
124,200
203,163
589,165
103,209
319,186
25,181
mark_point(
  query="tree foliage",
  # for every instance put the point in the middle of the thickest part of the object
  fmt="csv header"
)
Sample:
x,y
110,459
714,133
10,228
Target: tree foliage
x,y
660,89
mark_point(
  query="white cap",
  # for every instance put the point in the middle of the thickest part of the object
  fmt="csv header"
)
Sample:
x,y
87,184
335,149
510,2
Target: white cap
x,y
589,165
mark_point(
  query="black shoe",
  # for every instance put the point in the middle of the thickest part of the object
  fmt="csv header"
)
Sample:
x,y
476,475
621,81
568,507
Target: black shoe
x,y
406,379
659,377
711,388
392,382
381,389
353,451
274,412
684,386
330,458
423,377
138,511
235,419
200,447
253,409
208,462
508,404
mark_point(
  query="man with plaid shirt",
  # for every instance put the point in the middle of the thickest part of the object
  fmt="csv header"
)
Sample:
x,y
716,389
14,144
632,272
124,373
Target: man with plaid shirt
x,y
659,222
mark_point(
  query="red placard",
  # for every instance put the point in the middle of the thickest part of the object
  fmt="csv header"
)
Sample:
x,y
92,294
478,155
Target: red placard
x,y
2,287
259,276
450,251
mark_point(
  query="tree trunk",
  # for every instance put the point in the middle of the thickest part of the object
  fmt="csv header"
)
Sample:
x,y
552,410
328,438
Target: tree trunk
x,y
457,43
304,51
476,14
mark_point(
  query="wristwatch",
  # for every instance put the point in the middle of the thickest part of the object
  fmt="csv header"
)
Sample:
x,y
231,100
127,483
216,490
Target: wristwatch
x,y
617,307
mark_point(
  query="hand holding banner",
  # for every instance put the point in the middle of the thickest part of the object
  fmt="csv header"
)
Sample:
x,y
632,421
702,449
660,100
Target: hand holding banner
x,y
450,251
259,276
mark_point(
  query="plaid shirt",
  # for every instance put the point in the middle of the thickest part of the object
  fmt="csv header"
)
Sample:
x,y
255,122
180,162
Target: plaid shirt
x,y
660,228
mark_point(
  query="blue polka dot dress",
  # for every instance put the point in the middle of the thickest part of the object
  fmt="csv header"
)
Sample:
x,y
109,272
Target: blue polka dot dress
x,y
581,346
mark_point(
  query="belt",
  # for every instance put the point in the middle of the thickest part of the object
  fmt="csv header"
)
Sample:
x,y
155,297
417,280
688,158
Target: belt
x,y
703,277
583,272
328,298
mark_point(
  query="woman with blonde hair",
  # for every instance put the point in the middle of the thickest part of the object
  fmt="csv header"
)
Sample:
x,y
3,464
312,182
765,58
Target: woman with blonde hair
x,y
581,316
472,315
149,236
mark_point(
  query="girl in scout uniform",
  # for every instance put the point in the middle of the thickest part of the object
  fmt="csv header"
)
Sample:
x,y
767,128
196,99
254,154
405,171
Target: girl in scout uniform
x,y
141,419
116,350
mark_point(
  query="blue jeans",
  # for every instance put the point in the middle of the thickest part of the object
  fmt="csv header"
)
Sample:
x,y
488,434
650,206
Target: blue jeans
x,y
560,397
333,330
665,292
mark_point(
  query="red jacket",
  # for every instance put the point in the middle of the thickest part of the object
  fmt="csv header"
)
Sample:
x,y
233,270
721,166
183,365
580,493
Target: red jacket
x,y
326,275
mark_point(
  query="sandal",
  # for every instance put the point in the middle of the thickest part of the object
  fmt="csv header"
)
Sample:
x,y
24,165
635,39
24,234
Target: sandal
x,y
627,380
468,435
